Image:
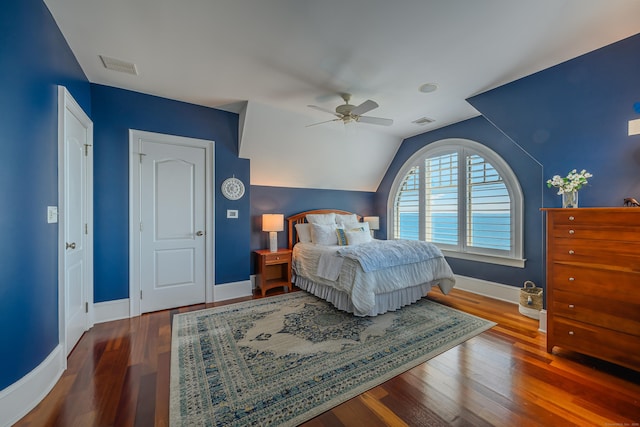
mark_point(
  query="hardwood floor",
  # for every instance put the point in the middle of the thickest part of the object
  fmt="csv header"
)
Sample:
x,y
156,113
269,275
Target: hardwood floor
x,y
118,375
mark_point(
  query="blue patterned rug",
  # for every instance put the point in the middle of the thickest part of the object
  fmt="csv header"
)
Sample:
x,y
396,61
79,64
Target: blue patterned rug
x,y
285,359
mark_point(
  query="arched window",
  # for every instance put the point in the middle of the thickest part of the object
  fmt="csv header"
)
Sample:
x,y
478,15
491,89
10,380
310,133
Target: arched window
x,y
463,197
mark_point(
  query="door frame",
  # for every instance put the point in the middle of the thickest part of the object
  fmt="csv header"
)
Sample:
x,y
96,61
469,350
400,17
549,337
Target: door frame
x,y
134,210
67,104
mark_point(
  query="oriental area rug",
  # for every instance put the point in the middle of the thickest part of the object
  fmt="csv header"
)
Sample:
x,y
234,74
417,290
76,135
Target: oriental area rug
x,y
285,359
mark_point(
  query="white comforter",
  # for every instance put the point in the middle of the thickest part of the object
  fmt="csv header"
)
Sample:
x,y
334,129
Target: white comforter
x,y
323,265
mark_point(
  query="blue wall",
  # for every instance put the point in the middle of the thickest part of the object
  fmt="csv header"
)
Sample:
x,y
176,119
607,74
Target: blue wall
x,y
115,111
290,201
575,115
34,59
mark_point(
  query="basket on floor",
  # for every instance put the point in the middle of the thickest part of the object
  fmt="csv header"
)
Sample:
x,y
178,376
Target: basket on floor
x,y
530,300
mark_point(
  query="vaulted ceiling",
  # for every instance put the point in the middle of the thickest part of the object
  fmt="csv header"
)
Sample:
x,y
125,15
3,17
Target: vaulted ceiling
x,y
268,60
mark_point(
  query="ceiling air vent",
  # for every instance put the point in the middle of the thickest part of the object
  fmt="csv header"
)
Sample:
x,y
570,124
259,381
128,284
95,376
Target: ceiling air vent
x,y
423,121
118,65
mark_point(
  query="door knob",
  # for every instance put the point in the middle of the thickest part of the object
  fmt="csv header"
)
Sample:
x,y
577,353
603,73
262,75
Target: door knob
x,y
200,233
71,245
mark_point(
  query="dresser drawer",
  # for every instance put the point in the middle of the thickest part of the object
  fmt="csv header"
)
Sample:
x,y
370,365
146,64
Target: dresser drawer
x,y
596,217
617,347
276,258
620,233
599,310
620,254
618,285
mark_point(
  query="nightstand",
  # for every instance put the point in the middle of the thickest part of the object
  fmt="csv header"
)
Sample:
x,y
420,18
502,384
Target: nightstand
x,y
273,269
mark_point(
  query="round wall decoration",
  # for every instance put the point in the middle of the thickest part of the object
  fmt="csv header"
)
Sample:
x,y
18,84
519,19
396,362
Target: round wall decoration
x,y
232,188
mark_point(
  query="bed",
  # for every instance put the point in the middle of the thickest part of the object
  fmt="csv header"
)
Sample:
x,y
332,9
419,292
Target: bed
x,y
336,259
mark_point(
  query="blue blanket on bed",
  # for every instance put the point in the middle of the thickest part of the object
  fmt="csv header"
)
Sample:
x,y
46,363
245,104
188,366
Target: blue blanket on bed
x,y
379,254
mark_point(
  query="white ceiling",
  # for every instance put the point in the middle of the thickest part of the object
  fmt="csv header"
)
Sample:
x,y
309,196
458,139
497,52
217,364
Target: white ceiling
x,y
269,59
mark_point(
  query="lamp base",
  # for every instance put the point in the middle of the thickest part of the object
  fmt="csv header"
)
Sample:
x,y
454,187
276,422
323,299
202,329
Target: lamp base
x,y
273,241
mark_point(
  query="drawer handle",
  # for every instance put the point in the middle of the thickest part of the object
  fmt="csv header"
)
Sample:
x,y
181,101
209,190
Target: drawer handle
x,y
571,279
571,218
277,257
572,306
571,252
570,332
571,231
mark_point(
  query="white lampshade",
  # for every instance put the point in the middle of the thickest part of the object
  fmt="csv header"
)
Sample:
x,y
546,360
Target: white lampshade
x,y
634,127
273,223
374,222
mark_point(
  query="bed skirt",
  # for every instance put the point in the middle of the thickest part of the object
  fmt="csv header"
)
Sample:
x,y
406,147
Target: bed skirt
x,y
389,301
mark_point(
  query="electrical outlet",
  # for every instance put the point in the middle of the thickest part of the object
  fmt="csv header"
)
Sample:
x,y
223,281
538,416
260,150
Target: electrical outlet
x,y
52,214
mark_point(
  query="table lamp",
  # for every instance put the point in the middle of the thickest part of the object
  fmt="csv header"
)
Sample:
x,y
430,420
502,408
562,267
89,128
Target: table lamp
x,y
374,223
273,223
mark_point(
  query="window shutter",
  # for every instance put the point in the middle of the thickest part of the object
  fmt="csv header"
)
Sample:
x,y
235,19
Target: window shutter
x,y
441,199
488,207
406,215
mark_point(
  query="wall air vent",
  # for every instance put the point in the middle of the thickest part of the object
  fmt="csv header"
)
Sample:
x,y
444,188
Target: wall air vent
x,y
423,121
118,65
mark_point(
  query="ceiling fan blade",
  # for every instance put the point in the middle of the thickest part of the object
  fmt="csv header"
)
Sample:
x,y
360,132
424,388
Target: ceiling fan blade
x,y
320,123
365,107
324,110
375,120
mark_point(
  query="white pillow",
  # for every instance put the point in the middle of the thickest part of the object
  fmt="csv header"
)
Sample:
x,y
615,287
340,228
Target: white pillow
x,y
358,237
324,234
348,221
304,232
329,218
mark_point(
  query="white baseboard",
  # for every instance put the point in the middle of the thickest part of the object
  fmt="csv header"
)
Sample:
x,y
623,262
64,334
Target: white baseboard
x,y
488,289
111,310
22,396
232,290
543,321
497,291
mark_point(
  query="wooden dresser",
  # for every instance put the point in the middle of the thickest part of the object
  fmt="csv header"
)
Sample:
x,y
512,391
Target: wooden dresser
x,y
593,282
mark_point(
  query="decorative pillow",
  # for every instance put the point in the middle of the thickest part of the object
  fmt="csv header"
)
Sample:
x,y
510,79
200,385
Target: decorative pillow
x,y
360,226
324,234
329,218
304,232
357,237
348,221
342,237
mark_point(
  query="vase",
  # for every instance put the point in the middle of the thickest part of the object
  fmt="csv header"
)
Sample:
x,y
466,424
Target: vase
x,y
570,199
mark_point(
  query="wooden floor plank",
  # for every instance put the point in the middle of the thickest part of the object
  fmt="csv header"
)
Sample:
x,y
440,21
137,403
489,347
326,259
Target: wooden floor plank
x,y
118,374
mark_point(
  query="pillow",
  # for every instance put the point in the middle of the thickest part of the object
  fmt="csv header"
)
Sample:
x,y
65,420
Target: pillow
x,y
304,232
329,218
348,221
324,234
358,237
360,226
342,237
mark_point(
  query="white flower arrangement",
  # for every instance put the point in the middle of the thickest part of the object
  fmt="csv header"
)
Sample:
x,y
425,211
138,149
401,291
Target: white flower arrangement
x,y
572,182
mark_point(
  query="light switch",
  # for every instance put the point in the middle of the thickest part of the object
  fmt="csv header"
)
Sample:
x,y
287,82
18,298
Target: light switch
x,y
52,214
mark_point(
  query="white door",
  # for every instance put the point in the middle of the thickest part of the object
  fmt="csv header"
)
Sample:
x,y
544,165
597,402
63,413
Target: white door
x,y
75,201
172,225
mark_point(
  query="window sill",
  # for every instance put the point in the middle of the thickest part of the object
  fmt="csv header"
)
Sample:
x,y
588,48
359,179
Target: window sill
x,y
491,259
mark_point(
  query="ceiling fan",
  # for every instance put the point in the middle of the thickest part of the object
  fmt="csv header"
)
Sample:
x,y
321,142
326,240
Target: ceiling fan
x,y
351,113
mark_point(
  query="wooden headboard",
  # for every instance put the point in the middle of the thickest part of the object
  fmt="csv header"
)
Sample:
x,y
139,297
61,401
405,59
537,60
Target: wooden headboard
x,y
302,218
